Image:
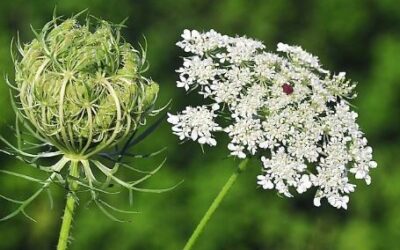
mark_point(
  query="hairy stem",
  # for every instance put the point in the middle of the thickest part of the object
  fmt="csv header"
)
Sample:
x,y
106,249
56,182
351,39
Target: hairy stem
x,y
69,207
214,205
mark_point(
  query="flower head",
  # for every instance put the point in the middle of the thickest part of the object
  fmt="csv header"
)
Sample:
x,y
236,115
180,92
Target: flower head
x,y
80,85
196,124
283,107
80,93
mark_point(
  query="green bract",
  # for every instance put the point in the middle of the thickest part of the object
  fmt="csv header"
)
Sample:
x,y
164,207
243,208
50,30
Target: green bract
x,y
80,85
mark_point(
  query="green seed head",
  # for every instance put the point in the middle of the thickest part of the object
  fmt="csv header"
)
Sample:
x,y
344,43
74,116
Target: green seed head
x,y
80,85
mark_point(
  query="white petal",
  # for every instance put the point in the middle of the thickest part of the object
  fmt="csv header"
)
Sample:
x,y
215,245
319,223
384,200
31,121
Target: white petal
x,y
212,142
202,140
194,135
174,119
215,106
317,202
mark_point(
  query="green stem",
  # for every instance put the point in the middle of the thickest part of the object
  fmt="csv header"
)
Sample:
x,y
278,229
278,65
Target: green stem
x,y
214,205
69,207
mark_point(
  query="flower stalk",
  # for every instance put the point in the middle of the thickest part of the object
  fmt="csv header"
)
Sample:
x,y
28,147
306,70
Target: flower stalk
x,y
69,207
214,205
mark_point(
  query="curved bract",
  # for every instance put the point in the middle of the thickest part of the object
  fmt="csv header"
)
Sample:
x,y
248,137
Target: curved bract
x,y
80,86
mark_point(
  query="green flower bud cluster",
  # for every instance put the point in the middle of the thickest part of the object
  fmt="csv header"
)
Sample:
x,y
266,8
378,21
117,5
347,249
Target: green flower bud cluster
x,y
80,94
80,85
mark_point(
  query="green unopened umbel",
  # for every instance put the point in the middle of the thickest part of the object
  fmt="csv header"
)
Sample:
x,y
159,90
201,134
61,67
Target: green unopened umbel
x,y
80,85
80,95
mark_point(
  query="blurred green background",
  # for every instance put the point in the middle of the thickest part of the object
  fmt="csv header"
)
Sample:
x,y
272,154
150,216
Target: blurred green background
x,y
361,37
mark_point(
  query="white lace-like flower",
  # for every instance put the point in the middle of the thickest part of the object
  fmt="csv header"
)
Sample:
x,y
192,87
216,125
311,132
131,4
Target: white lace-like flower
x,y
284,172
196,71
298,55
227,90
242,49
282,107
246,133
250,102
198,43
196,124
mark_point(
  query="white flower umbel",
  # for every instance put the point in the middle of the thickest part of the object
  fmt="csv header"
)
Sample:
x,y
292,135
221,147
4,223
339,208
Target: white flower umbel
x,y
283,107
196,124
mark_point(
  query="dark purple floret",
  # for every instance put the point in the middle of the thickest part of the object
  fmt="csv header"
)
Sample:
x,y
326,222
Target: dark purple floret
x,y
287,88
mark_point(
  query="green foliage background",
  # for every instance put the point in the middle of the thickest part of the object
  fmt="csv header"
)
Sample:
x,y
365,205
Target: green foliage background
x,y
361,37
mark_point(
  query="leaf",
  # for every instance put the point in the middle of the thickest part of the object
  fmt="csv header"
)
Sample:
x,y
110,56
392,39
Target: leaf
x,y
28,201
108,156
49,195
108,214
129,186
117,209
26,177
27,216
117,155
145,134
10,199
150,174
141,156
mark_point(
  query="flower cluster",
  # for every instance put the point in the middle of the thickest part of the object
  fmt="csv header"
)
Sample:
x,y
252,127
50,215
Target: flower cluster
x,y
195,123
80,97
282,107
80,85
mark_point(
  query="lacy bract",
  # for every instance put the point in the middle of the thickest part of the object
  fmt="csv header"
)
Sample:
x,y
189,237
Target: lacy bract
x,y
281,106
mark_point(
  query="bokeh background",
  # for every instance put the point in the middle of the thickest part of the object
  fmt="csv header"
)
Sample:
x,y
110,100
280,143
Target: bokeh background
x,y
361,37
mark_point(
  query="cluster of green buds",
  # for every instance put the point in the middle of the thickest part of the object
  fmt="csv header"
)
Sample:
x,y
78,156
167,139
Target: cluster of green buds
x,y
80,86
80,93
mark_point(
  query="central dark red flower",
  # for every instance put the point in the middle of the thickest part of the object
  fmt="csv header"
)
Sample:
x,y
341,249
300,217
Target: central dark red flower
x,y
287,88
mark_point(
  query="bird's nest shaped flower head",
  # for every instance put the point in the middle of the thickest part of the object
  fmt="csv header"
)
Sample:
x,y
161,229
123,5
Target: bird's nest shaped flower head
x,y
80,85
